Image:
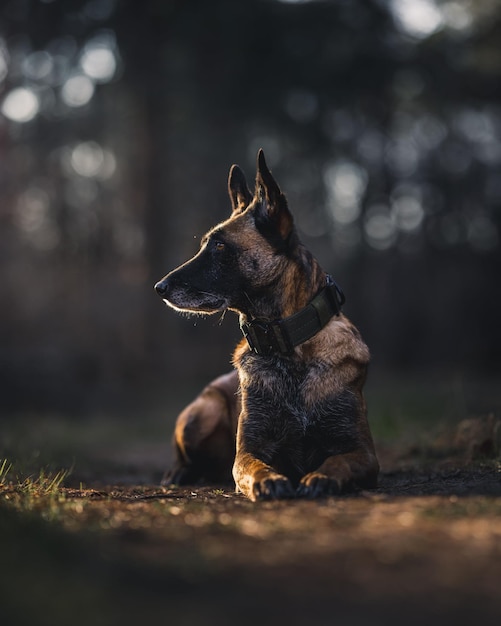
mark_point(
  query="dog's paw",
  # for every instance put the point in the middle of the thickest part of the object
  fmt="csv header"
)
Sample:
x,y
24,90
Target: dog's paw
x,y
316,485
275,487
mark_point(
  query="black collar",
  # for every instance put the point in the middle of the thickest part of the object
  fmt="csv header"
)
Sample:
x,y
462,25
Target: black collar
x,y
282,336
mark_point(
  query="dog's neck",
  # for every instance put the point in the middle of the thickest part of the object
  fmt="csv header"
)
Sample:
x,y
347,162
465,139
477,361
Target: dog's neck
x,y
290,292
282,336
302,288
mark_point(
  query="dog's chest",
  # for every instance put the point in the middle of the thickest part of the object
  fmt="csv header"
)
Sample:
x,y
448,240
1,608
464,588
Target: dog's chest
x,y
294,416
295,390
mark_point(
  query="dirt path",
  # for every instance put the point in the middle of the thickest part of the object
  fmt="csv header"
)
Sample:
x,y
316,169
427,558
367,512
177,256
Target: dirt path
x,y
425,547
422,547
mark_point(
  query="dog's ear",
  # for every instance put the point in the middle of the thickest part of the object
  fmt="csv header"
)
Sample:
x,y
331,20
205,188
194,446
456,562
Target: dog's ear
x,y
238,190
272,200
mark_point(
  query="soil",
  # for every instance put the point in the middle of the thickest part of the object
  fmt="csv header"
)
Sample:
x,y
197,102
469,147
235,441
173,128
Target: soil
x,y
423,548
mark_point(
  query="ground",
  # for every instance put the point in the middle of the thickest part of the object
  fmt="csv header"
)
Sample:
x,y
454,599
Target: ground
x,y
97,547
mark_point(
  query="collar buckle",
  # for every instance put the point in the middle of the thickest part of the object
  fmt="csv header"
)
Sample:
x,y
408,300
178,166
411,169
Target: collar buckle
x,y
266,338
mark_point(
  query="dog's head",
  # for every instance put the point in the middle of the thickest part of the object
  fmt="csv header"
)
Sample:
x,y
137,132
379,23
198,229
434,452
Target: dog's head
x,y
242,259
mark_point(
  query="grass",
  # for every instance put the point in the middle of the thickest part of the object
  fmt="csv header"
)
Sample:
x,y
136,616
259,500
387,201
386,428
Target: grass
x,y
5,468
41,492
45,482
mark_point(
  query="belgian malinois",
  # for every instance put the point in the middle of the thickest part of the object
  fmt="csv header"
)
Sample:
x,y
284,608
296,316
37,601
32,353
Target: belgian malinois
x,y
292,419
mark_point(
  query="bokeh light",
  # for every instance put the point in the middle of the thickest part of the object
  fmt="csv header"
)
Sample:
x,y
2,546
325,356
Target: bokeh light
x,y
77,91
90,160
457,17
34,219
380,227
417,18
345,183
21,105
98,62
38,66
407,210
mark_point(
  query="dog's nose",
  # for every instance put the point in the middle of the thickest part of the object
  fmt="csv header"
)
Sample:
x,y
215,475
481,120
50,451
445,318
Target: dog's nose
x,y
161,288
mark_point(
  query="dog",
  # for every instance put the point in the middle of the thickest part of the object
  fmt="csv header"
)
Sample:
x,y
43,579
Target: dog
x,y
291,420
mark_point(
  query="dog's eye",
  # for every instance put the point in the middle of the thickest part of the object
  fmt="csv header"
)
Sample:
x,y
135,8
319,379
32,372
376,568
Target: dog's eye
x,y
219,246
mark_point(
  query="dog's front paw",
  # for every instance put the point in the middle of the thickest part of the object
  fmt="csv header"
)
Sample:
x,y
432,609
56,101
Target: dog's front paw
x,y
316,484
273,487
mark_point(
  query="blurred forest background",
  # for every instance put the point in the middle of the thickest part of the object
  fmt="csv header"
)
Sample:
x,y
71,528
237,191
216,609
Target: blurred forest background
x,y
119,121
